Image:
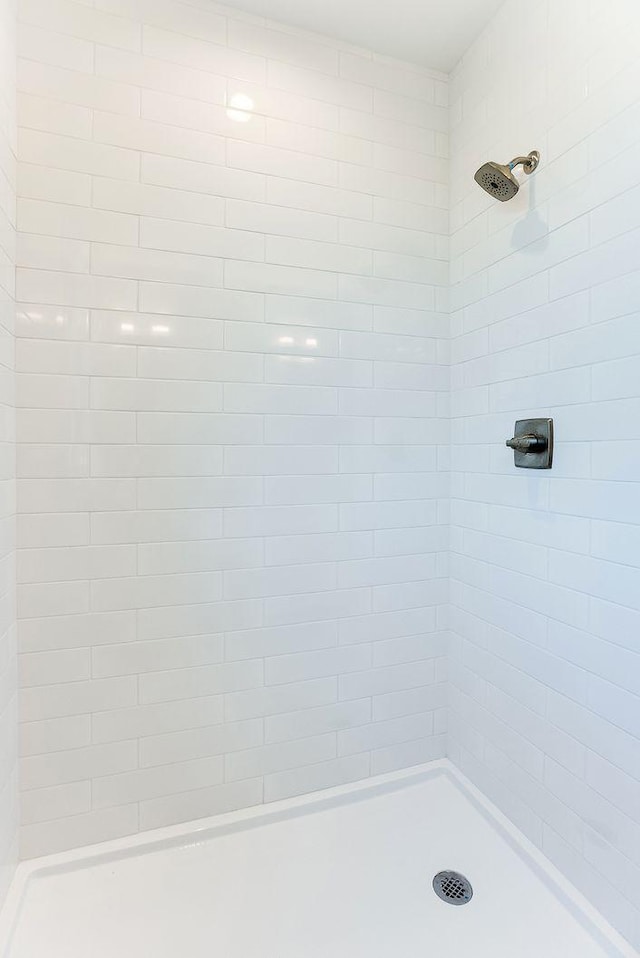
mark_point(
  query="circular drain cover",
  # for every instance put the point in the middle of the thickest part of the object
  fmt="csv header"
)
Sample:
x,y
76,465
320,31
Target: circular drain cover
x,y
453,888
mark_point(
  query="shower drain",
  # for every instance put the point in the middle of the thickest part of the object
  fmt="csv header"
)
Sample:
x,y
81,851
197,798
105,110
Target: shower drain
x,y
453,888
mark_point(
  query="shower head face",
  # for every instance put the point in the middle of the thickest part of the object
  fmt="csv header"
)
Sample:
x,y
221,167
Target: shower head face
x,y
498,181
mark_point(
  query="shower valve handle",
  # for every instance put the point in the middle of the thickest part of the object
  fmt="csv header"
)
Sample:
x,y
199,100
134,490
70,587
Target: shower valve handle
x,y
527,443
532,443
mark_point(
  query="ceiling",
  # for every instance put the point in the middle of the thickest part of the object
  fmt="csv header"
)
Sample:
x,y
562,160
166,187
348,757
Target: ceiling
x,y
433,33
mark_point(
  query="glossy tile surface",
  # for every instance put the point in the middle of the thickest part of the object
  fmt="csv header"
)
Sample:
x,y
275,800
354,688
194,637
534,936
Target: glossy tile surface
x,y
249,551
233,268
545,570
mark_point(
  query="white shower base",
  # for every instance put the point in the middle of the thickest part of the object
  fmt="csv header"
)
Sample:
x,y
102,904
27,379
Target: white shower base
x,y
343,874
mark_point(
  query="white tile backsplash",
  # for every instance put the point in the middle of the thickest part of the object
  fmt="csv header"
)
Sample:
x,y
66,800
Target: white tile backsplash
x,y
229,371
544,703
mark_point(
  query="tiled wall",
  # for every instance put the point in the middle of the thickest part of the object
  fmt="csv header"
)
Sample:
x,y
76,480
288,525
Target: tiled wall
x,y
232,387
8,678
233,393
546,566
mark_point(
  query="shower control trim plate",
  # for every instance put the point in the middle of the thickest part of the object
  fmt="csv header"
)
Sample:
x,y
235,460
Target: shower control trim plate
x,y
532,443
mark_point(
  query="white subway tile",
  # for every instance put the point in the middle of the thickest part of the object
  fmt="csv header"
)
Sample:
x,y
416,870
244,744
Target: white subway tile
x,y
38,112
156,266
288,340
275,700
141,592
202,240
319,85
382,680
148,136
201,680
618,787
295,48
67,153
189,364
263,218
280,785
43,599
266,278
166,298
326,256
280,399
154,74
149,783
160,202
406,754
279,641
77,631
181,746
295,490
134,658
329,718
190,20
277,162
49,668
318,371
234,470
151,395
203,55
270,759
196,115
42,321
77,698
181,174
35,460
379,735
56,801
96,93
78,20
73,425
199,803
144,721
53,735
56,768
386,292
90,562
396,704
74,289
46,46
58,186
403,78
52,253
287,580
305,608
193,492
83,829
199,427
76,495
52,529
74,359
155,526
327,430
318,198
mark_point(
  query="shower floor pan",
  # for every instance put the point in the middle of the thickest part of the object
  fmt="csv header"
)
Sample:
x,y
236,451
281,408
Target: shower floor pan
x,y
345,873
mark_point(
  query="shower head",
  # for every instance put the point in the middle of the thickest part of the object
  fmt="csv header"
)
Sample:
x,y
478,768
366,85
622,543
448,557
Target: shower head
x,y
498,180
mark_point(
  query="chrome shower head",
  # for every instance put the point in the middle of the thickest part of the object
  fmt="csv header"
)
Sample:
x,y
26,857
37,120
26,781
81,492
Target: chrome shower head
x,y
498,180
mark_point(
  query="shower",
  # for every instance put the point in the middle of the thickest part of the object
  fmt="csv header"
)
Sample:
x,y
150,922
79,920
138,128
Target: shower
x,y
498,180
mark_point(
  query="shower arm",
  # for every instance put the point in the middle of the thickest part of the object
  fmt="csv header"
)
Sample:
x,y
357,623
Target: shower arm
x,y
528,163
